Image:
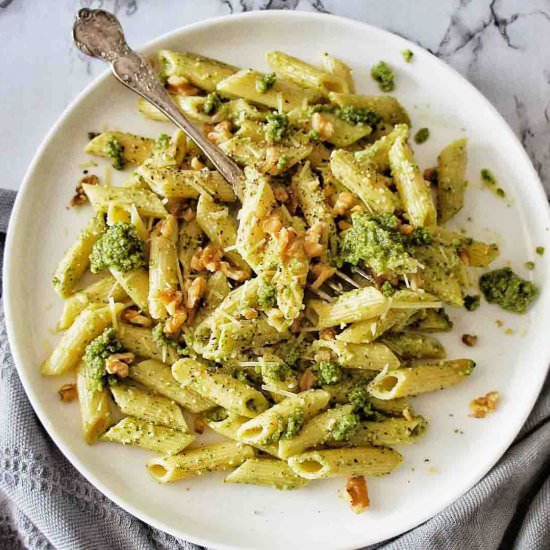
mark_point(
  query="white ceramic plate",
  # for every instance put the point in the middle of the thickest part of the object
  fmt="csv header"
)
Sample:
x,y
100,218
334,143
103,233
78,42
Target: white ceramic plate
x,y
457,450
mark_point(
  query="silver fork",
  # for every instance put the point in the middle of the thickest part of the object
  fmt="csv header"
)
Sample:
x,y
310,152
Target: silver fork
x,y
99,34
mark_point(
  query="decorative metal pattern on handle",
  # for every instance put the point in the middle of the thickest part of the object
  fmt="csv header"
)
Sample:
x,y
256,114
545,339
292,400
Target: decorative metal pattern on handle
x,y
99,34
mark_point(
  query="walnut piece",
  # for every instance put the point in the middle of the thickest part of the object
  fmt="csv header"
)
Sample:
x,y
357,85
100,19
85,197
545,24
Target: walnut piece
x,y
320,124
307,380
344,203
482,406
181,86
321,273
67,393
80,196
358,496
135,317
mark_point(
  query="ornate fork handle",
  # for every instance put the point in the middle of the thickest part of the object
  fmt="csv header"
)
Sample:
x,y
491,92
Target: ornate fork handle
x,y
99,34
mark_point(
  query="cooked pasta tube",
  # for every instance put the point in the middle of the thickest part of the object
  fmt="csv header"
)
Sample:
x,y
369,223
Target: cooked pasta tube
x,y
95,406
266,471
147,435
373,356
358,461
420,379
315,432
148,406
390,431
158,377
87,326
219,387
196,462
285,419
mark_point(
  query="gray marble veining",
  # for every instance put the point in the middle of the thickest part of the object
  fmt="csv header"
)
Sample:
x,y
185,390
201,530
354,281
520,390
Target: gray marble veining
x,y
499,45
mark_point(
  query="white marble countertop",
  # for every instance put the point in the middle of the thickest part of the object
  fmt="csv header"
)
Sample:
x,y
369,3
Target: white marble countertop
x,y
501,46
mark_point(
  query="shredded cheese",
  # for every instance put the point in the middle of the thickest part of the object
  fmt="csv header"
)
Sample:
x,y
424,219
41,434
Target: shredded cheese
x,y
278,391
112,309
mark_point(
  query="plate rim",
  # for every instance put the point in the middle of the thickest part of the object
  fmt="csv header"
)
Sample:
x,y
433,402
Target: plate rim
x,y
16,220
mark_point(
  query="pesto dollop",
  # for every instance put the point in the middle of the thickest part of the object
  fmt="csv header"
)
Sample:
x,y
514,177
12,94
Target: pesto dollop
x,y
294,424
376,241
472,302
277,126
508,290
350,114
266,82
211,104
490,181
94,358
407,55
345,427
327,373
119,247
383,74
115,151
161,340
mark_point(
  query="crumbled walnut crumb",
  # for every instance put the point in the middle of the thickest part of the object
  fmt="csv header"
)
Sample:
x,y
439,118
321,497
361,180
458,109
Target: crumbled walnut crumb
x,y
343,225
199,426
327,334
195,291
172,299
281,194
176,207
358,496
220,133
180,85
174,323
135,317
80,196
344,202
481,406
207,259
320,124
188,215
313,248
117,364
469,339
67,393
307,380
406,229
430,175
234,273
272,225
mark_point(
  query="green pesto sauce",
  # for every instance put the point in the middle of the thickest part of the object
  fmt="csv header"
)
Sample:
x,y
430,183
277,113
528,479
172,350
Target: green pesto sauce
x,y
294,424
211,104
267,295
163,141
161,340
530,265
376,241
350,114
115,151
407,55
539,250
277,126
383,74
490,181
94,357
282,162
119,247
345,427
422,135
327,373
265,82
508,290
471,302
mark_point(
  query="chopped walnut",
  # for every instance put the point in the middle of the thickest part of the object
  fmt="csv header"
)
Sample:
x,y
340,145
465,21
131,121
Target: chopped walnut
x,y
220,133
320,124
297,324
196,164
207,258
250,313
430,175
307,380
358,496
272,224
321,272
469,339
292,203
327,334
271,162
199,426
281,194
67,393
482,406
464,257
117,364
174,323
344,202
172,299
195,292
135,317
234,273
180,85
407,415
312,246
176,207
80,196
406,229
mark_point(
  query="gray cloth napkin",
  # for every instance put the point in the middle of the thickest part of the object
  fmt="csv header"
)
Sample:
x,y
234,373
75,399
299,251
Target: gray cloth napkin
x,y
46,504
